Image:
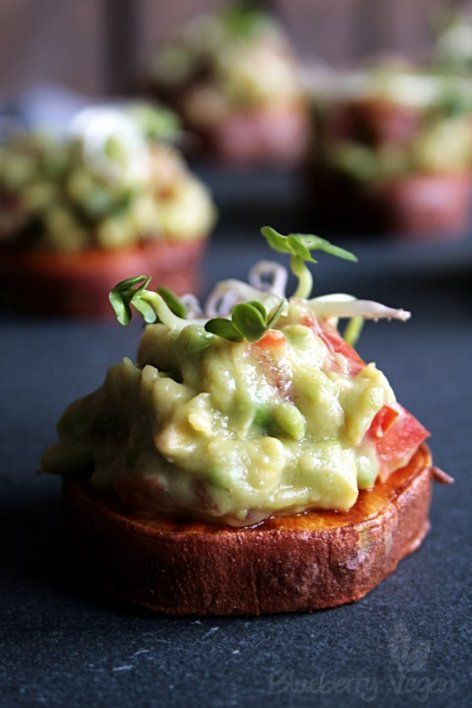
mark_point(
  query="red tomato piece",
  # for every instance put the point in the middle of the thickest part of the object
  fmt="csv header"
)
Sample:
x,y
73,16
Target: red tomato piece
x,y
271,340
397,446
335,343
383,421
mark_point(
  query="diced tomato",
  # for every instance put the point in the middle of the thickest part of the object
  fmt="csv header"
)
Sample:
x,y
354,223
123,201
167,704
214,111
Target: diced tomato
x,y
402,438
335,343
340,346
273,339
383,421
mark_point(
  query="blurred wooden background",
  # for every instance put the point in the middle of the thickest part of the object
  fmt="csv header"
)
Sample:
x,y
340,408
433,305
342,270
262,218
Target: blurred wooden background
x,y
100,46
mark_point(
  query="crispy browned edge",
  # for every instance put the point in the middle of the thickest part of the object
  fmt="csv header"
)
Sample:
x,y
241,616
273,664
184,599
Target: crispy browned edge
x,y
298,563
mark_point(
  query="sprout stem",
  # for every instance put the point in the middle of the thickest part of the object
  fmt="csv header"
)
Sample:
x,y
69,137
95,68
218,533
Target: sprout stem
x,y
305,278
165,314
353,330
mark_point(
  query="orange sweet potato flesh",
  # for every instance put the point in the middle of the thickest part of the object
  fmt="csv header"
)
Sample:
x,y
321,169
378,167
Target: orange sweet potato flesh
x,y
296,563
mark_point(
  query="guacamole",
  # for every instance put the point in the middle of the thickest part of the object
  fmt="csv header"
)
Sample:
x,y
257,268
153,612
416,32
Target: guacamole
x,y
111,182
264,409
229,430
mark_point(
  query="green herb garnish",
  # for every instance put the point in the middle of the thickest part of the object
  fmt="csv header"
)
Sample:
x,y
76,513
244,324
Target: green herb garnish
x,y
249,321
160,306
172,301
299,247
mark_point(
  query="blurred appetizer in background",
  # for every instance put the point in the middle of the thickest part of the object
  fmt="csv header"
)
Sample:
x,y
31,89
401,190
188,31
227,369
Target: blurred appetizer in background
x,y
454,41
234,79
109,197
248,447
392,150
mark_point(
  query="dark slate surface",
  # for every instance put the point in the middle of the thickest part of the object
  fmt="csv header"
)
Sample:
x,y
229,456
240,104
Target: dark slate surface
x,y
407,643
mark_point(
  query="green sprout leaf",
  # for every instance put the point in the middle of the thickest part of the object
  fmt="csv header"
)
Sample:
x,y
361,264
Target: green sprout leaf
x,y
301,245
153,306
299,248
259,306
122,295
274,315
316,243
224,328
173,302
249,321
276,241
293,244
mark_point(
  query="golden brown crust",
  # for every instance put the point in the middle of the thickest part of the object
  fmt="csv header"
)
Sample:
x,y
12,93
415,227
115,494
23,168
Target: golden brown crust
x,y
78,283
287,564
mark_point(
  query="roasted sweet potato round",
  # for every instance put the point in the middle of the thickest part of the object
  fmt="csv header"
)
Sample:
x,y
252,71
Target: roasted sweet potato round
x,y
77,283
287,564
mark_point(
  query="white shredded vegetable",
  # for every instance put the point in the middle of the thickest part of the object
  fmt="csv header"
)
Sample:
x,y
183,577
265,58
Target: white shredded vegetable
x,y
269,276
334,297
370,310
229,293
95,126
192,305
267,284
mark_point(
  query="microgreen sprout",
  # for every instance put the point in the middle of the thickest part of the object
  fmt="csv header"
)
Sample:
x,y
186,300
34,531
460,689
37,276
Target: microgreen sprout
x,y
249,321
299,247
160,306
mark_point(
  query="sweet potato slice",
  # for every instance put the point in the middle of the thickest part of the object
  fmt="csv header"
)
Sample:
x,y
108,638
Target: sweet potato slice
x,y
287,564
77,283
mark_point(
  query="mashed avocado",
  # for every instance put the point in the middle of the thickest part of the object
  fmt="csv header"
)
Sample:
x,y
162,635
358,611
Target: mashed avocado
x,y
234,431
